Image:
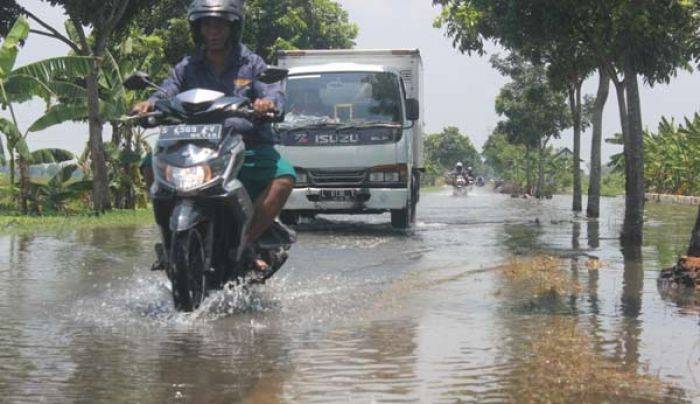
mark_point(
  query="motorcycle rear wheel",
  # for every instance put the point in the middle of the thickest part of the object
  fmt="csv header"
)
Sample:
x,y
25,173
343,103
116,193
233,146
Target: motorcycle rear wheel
x,y
188,269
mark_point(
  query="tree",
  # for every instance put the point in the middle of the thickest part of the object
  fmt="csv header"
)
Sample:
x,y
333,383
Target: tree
x,y
15,141
270,26
443,150
535,111
18,85
104,18
648,38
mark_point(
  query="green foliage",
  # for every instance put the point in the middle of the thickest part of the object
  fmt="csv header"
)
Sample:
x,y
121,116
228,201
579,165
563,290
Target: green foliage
x,y
59,191
10,46
534,110
509,162
62,221
56,78
270,26
612,184
443,150
672,156
51,156
655,36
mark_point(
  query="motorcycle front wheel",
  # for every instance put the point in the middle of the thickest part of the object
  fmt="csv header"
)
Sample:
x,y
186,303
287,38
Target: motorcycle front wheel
x,y
188,269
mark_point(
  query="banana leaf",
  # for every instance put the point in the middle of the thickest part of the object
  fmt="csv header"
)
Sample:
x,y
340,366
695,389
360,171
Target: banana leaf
x,y
10,131
10,46
63,176
51,156
59,114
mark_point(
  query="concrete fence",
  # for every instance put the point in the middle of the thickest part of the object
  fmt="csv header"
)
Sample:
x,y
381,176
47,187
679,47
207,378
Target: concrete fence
x,y
673,199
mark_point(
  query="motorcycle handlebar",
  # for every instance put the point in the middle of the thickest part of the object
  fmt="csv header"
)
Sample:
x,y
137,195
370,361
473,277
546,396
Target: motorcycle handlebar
x,y
158,118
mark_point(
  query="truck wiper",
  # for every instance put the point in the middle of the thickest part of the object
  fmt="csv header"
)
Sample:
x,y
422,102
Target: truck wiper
x,y
376,124
317,125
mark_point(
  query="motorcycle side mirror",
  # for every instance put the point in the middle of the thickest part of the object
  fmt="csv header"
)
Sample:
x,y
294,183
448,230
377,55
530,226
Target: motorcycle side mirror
x,y
272,74
138,81
412,109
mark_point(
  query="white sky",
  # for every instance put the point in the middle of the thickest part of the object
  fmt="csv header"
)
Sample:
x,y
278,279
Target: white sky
x,y
459,90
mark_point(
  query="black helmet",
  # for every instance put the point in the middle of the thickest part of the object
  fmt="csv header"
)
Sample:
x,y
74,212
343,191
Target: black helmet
x,y
229,10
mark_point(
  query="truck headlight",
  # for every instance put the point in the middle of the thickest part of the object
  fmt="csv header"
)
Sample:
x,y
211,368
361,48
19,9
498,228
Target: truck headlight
x,y
188,178
302,178
389,174
376,177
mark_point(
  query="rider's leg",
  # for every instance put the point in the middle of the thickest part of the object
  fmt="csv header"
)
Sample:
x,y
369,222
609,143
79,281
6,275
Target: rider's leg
x,y
268,205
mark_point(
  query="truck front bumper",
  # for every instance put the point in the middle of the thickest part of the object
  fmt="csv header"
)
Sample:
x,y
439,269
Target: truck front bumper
x,y
347,199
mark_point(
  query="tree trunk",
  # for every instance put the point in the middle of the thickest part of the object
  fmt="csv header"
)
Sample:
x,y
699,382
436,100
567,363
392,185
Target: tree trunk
x,y
24,191
116,135
528,169
540,170
129,197
694,249
576,114
12,172
634,157
100,186
593,209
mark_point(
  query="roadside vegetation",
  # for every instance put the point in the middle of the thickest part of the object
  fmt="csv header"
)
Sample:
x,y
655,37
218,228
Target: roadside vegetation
x,y
108,42
621,42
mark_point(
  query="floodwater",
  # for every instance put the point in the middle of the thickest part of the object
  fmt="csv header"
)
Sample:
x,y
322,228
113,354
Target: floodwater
x,y
489,299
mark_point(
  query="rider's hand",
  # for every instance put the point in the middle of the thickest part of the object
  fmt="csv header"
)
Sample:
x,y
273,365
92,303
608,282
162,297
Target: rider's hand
x,y
142,108
263,106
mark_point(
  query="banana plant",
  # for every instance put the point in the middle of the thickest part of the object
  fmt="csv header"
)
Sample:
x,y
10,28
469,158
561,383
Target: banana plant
x,y
62,187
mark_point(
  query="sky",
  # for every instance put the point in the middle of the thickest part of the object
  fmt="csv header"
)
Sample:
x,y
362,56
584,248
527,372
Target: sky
x,y
460,90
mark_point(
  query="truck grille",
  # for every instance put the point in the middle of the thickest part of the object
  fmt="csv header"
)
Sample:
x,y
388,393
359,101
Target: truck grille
x,y
337,177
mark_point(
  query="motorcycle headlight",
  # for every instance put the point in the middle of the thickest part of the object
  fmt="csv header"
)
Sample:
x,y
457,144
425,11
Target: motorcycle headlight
x,y
188,177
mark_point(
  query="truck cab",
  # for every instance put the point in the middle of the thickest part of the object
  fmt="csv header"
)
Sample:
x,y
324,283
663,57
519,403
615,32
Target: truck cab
x,y
354,134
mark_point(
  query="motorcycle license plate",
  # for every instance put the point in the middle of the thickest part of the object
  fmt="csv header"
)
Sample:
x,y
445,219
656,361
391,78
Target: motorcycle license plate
x,y
337,195
191,132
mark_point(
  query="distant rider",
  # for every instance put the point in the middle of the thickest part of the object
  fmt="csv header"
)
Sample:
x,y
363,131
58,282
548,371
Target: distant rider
x,y
457,172
222,63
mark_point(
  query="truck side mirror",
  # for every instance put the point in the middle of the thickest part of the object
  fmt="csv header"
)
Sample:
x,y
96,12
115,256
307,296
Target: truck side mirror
x,y
412,109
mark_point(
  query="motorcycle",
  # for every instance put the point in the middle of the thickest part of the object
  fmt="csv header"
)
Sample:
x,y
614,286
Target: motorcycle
x,y
459,186
202,209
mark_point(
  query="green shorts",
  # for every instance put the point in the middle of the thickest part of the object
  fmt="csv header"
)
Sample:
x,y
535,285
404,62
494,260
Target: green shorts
x,y
262,165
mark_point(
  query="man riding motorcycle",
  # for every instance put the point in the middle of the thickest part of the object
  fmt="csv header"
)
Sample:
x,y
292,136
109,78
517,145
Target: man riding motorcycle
x,y
222,63
459,171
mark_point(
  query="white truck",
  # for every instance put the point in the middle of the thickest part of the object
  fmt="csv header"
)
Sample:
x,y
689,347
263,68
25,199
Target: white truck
x,y
353,132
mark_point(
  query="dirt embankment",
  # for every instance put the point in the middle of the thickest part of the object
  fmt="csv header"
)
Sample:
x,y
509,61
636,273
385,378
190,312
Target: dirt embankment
x,y
686,273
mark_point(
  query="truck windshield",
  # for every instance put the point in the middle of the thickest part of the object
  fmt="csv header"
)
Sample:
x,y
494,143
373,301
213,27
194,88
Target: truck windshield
x,y
347,99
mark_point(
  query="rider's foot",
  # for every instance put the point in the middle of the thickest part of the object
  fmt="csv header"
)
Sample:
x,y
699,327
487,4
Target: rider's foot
x,y
261,265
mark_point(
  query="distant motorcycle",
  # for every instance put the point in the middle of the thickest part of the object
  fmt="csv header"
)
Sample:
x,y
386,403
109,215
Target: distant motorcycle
x,y
202,209
460,186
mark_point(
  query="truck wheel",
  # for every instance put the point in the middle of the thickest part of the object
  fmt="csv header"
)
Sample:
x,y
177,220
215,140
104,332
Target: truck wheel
x,y
403,218
289,218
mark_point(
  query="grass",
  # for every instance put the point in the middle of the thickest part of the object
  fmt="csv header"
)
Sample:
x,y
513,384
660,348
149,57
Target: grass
x,y
18,224
559,357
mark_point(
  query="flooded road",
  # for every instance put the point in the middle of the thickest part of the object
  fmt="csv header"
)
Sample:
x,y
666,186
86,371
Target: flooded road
x,y
490,299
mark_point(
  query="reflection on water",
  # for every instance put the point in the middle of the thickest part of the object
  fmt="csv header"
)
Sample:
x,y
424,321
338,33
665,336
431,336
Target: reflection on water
x,y
489,299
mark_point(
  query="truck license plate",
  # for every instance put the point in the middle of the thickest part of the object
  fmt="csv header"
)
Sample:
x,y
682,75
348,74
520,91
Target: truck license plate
x,y
337,195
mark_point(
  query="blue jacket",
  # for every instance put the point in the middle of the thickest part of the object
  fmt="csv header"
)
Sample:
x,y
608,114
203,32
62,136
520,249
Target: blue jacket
x,y
237,79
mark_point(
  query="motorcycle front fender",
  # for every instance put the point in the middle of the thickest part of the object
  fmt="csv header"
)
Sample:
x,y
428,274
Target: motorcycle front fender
x,y
185,216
